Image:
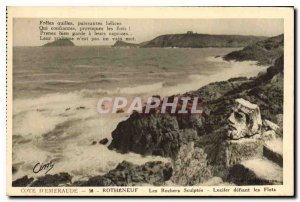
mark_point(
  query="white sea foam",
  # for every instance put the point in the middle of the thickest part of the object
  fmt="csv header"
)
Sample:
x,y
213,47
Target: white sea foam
x,y
33,123
97,159
275,145
264,169
76,156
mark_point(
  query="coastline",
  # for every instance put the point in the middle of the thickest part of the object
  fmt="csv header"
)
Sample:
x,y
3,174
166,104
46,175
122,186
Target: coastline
x,y
196,82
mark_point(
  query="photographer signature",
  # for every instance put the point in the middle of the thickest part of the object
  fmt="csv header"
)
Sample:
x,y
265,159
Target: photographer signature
x,y
43,166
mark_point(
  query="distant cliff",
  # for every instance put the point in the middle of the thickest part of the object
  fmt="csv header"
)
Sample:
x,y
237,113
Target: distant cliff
x,y
265,51
194,40
60,42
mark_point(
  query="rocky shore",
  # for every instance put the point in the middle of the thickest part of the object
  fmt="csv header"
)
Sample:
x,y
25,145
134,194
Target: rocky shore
x,y
244,114
125,174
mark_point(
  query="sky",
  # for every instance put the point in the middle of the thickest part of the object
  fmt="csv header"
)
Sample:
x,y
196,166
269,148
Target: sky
x,y
27,33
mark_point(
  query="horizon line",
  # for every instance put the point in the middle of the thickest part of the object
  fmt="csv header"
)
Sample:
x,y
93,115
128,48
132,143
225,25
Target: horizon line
x,y
151,39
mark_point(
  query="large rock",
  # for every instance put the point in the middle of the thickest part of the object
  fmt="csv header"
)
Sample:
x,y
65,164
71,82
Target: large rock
x,y
104,141
155,134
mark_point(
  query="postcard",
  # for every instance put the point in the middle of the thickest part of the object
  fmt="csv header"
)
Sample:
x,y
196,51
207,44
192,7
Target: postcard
x,y
150,101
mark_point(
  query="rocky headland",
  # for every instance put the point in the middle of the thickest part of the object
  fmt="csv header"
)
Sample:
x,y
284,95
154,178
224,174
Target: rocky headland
x,y
60,42
265,51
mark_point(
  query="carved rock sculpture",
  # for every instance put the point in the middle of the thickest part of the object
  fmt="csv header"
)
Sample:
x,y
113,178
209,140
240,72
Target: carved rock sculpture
x,y
244,121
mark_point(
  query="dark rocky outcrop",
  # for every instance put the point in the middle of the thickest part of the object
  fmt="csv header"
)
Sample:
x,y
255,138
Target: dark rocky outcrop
x,y
125,174
22,182
60,42
104,141
61,179
265,51
155,134
195,40
128,174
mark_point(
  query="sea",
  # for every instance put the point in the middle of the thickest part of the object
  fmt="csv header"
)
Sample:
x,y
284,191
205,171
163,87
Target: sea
x,y
56,89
